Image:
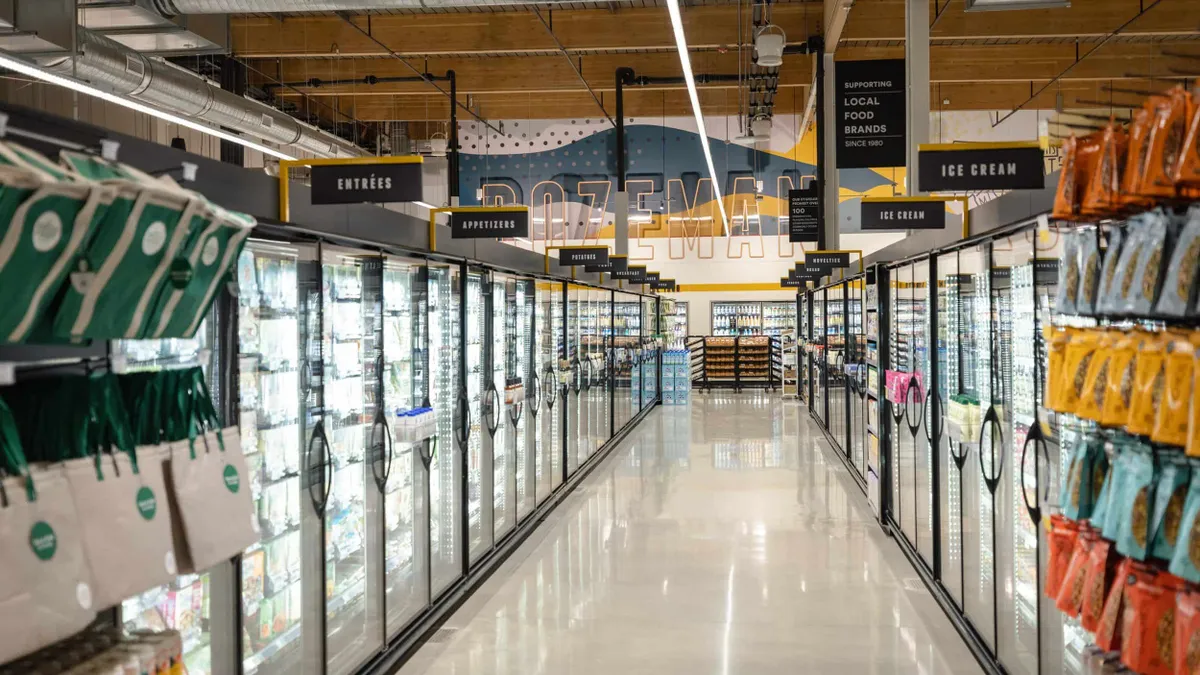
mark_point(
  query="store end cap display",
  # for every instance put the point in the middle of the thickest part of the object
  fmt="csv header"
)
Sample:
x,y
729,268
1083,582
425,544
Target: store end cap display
x,y
104,251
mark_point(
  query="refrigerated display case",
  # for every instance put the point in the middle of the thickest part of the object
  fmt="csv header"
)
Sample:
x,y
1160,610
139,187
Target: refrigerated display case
x,y
448,397
753,317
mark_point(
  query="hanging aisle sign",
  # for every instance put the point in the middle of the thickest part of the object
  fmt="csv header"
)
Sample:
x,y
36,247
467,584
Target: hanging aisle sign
x,y
617,263
963,167
571,256
882,214
667,285
807,269
831,260
605,266
489,222
790,282
804,216
652,277
366,183
871,114
629,272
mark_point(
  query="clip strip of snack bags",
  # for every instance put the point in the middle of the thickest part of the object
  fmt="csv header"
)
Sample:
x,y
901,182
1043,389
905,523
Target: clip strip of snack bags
x,y
95,249
1124,547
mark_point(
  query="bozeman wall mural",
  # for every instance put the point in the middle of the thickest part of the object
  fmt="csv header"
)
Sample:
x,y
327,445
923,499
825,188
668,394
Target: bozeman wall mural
x,y
565,170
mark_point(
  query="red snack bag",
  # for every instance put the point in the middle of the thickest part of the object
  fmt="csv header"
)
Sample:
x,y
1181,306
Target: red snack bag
x,y
1149,643
1110,633
1094,586
1061,539
1070,595
1187,632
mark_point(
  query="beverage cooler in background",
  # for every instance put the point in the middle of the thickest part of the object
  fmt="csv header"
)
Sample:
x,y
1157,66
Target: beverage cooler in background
x,y
960,363
753,317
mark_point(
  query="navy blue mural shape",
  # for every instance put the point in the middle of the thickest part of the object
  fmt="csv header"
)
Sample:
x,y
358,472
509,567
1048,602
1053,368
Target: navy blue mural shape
x,y
654,153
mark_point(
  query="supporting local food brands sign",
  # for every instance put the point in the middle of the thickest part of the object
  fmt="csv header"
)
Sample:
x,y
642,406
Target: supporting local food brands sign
x,y
804,217
980,166
870,114
583,255
490,223
366,183
915,213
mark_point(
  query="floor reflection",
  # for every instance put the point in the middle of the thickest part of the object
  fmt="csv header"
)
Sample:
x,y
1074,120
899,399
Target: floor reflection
x,y
723,537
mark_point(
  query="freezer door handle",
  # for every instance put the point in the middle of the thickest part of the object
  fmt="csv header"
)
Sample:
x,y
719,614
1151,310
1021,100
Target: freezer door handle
x,y
576,374
380,451
553,389
491,402
913,385
533,395
462,431
934,436
316,470
1034,436
993,418
585,374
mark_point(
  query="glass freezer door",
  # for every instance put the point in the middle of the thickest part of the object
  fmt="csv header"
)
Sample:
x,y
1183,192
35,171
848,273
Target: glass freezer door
x,y
448,398
280,373
353,548
498,436
572,390
951,452
406,548
917,411
480,488
520,369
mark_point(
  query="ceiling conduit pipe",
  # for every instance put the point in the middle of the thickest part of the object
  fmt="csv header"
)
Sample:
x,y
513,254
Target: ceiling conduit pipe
x,y
110,65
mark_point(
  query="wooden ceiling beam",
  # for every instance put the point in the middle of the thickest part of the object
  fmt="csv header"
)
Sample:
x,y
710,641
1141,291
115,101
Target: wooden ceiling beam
x,y
884,20
708,27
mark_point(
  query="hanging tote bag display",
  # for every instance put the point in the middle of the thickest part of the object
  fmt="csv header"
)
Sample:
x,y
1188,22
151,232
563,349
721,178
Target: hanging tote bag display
x,y
135,251
211,504
45,589
45,220
121,499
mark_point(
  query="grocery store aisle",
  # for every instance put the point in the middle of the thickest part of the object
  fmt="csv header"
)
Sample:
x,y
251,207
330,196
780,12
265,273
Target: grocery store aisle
x,y
723,537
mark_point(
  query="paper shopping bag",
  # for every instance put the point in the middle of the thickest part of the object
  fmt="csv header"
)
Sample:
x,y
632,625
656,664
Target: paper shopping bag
x,y
123,510
209,489
45,587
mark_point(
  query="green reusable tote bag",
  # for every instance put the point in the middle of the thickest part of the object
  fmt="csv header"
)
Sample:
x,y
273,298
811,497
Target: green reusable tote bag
x,y
128,259
210,262
46,588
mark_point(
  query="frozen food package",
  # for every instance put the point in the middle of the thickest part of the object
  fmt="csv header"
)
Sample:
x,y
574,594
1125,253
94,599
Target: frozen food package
x,y
1157,238
1088,253
1178,293
1068,274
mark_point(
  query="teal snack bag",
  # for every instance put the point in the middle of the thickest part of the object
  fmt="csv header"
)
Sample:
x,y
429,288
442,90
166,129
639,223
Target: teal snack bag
x,y
1136,502
1185,562
1119,473
1170,495
128,258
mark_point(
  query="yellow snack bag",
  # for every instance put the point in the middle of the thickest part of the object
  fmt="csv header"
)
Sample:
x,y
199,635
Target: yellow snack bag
x,y
1193,432
1095,383
1080,351
1171,420
1122,369
1057,339
1148,385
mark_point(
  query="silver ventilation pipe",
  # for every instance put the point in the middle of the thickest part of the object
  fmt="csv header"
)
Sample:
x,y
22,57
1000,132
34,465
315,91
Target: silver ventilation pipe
x,y
175,7
112,66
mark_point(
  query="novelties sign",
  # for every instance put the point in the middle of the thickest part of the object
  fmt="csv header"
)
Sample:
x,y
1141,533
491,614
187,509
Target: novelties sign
x,y
915,213
830,260
490,223
366,183
804,217
870,114
980,166
583,255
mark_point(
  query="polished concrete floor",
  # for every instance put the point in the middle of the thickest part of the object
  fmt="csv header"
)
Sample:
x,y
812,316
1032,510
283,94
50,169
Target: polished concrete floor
x,y
720,538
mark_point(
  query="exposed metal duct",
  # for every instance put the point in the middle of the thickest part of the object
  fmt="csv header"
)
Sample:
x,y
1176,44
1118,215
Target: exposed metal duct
x,y
172,7
112,66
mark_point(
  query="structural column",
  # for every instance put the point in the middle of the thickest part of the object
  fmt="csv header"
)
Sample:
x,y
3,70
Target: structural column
x,y
829,172
916,59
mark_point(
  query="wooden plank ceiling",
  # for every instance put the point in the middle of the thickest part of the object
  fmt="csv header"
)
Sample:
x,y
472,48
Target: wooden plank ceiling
x,y
509,65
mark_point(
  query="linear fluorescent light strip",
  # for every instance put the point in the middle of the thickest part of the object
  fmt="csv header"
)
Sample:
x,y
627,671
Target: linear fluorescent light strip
x,y
53,78
686,62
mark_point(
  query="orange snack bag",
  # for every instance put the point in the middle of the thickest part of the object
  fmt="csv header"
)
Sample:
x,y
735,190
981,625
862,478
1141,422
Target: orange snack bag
x,y
1096,582
1148,385
1149,643
1138,149
1095,384
1068,182
1112,620
1187,632
1167,132
1061,538
1070,594
1187,169
1102,196
1079,354
1122,369
1057,340
1173,415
